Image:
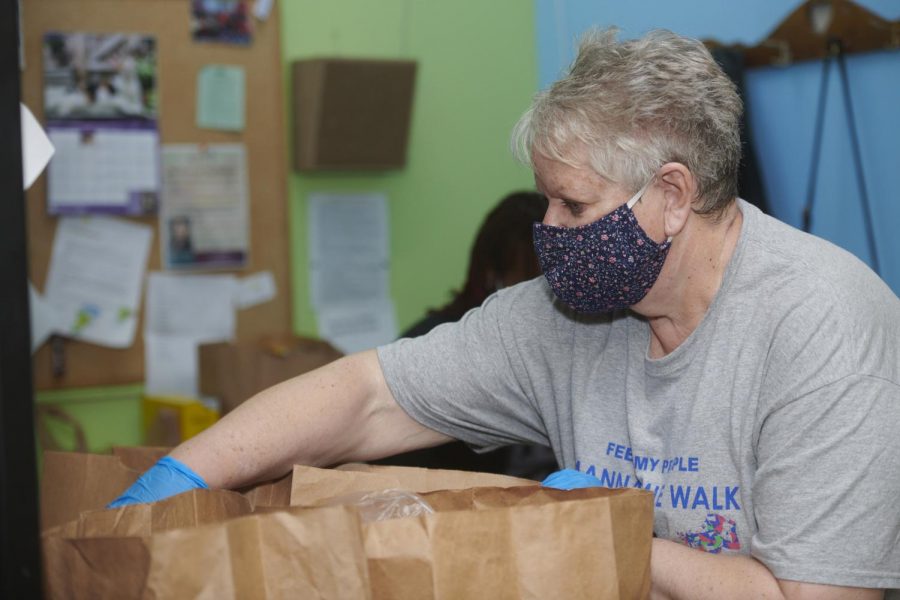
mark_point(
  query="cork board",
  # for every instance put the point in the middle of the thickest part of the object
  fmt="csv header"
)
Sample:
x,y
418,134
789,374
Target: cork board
x,y
179,59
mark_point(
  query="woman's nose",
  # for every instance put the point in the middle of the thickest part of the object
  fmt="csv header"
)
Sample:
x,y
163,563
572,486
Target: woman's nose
x,y
553,216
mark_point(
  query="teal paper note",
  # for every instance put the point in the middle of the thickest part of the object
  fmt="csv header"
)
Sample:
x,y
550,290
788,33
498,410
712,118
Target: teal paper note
x,y
220,98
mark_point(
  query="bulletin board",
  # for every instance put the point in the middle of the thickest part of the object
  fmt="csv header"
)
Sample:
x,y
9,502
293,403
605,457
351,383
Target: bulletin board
x,y
179,60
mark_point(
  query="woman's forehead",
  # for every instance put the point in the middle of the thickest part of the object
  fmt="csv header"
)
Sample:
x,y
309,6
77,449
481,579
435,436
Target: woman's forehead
x,y
559,178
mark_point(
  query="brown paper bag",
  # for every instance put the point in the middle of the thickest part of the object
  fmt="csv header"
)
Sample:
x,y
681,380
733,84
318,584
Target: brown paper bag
x,y
524,542
310,486
140,458
270,494
74,482
207,544
516,541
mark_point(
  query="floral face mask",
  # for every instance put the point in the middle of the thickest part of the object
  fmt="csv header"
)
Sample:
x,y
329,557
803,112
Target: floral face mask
x,y
603,266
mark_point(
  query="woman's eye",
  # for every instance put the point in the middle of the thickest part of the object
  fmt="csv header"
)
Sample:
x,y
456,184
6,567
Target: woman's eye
x,y
573,207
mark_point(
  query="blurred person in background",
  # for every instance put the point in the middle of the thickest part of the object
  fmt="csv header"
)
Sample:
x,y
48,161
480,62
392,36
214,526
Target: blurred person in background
x,y
502,256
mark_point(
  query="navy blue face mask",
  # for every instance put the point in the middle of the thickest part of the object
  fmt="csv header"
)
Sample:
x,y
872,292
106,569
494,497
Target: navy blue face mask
x,y
607,265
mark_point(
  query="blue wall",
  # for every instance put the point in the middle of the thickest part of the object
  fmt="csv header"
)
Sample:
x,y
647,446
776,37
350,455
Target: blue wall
x,y
781,103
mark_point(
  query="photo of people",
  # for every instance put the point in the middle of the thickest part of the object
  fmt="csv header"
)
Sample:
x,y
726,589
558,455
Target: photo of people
x,y
99,76
220,21
181,248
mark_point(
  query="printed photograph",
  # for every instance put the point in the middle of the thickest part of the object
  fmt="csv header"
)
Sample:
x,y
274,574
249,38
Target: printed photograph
x,y
99,76
225,21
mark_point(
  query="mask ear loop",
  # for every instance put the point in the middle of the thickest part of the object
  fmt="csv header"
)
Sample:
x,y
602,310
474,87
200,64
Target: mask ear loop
x,y
634,199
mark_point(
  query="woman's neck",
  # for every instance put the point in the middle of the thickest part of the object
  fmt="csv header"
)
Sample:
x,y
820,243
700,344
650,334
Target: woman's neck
x,y
690,280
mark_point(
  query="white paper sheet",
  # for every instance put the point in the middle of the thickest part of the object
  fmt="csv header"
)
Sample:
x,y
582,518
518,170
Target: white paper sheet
x,y
262,8
349,248
96,272
170,365
338,284
255,289
36,147
353,327
204,215
195,305
348,227
183,311
349,269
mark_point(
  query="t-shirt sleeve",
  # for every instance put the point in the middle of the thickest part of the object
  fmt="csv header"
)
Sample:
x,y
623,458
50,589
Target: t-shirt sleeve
x,y
827,486
466,379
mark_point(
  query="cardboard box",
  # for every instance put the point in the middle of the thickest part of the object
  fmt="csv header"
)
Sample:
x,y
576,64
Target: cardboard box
x,y
235,371
351,114
514,541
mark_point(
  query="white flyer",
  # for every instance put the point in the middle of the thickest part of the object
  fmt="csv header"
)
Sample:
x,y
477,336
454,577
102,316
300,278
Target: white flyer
x,y
182,312
95,278
204,218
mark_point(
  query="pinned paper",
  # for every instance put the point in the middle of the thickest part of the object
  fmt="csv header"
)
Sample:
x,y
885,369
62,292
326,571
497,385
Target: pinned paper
x,y
348,248
204,221
349,270
220,98
255,289
224,21
182,312
103,167
95,277
100,103
262,8
109,76
36,147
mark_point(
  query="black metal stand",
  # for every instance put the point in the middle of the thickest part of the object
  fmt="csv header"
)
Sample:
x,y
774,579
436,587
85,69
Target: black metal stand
x,y
836,54
20,575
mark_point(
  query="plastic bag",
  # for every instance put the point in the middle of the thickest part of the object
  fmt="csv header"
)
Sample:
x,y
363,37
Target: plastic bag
x,y
385,504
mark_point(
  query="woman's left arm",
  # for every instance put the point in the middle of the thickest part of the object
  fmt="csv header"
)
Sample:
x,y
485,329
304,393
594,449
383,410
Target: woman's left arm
x,y
677,571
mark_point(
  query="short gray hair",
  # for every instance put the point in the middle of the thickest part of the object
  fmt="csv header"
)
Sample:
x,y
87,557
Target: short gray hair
x,y
636,105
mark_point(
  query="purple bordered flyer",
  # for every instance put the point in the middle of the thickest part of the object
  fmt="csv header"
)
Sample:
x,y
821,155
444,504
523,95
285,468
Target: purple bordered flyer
x,y
100,102
104,167
204,217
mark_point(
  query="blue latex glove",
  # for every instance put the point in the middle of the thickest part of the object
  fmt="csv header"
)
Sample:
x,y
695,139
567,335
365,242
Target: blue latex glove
x,y
167,477
570,479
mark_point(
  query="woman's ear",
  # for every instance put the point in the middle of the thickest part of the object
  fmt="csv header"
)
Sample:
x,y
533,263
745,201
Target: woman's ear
x,y
679,190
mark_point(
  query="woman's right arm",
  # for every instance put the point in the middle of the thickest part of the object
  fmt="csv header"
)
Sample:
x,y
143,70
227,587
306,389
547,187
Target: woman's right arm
x,y
341,412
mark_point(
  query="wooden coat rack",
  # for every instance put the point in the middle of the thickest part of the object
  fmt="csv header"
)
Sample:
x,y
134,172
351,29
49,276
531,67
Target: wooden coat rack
x,y
810,32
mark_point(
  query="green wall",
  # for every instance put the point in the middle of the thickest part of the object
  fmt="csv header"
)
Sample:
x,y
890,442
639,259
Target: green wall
x,y
476,75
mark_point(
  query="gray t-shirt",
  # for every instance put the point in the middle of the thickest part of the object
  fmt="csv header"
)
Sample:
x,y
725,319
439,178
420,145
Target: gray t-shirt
x,y
774,429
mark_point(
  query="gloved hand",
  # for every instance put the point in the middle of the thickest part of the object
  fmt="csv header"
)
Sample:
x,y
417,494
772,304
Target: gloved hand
x,y
570,479
167,477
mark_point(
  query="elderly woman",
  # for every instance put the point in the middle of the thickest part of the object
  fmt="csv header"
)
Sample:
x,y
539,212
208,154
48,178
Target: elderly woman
x,y
681,341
